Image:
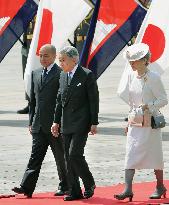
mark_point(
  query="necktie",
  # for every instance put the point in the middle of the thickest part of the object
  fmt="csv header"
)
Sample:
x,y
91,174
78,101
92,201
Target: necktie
x,y
69,78
44,74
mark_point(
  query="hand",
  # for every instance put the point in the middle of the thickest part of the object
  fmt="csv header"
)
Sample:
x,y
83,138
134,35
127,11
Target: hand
x,y
55,129
144,107
93,129
126,130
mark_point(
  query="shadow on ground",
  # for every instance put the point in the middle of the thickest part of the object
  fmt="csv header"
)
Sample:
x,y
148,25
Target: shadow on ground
x,y
7,112
14,123
110,131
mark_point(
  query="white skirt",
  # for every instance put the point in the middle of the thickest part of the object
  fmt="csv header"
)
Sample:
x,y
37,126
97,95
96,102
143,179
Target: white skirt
x,y
144,148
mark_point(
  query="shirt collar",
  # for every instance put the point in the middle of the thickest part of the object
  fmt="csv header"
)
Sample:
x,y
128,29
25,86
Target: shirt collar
x,y
49,67
73,71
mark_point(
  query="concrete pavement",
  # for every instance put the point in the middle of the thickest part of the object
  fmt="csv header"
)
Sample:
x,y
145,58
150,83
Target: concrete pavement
x,y
104,152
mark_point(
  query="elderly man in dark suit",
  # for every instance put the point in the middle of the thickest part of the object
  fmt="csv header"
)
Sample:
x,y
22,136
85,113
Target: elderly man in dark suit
x,y
44,89
77,108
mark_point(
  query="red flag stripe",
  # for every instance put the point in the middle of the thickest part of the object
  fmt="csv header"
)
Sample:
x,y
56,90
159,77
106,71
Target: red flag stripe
x,y
9,9
46,29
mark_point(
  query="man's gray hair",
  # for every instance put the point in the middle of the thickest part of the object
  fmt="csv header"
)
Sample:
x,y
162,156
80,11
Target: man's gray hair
x,y
70,51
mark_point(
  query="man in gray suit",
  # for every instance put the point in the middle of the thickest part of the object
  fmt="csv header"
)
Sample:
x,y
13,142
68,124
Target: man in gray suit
x,y
77,109
44,89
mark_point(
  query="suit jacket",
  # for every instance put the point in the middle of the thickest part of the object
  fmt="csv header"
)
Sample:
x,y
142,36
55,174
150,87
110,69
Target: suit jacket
x,y
77,105
43,99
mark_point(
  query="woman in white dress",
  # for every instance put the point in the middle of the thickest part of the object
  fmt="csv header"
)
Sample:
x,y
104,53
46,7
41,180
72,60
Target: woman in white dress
x,y
144,144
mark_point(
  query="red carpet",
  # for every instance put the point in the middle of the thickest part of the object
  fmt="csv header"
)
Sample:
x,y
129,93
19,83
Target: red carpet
x,y
103,196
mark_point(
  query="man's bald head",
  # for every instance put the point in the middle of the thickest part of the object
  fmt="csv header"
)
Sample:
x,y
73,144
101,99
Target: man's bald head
x,y
47,55
49,48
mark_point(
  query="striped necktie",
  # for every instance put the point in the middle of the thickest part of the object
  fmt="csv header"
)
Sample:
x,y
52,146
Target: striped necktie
x,y
69,78
44,74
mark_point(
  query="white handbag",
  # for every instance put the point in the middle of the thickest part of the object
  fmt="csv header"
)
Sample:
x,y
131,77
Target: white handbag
x,y
136,116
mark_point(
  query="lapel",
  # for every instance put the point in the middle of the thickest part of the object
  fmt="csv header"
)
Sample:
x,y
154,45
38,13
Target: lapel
x,y
50,76
73,83
39,77
65,86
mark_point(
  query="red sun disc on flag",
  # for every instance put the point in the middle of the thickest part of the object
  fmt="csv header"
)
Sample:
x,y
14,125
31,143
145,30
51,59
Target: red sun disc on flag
x,y
155,38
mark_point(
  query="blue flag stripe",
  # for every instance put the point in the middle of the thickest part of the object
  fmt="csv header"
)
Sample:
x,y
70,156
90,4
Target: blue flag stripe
x,y
114,44
16,27
117,42
90,35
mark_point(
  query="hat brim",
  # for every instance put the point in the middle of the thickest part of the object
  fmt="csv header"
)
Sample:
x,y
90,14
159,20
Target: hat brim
x,y
136,52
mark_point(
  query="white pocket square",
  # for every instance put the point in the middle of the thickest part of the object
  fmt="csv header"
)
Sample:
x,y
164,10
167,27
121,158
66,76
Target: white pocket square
x,y
78,84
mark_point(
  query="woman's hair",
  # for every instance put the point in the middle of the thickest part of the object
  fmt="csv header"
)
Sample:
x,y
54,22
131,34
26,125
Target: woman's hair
x,y
147,57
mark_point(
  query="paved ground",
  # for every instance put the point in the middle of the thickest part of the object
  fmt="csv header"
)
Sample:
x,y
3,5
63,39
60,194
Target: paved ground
x,y
104,152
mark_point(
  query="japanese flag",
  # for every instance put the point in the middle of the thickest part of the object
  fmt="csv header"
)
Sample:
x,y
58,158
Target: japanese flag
x,y
56,21
154,32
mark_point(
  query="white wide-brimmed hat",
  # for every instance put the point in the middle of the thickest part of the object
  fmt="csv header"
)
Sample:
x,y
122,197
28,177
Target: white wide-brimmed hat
x,y
136,51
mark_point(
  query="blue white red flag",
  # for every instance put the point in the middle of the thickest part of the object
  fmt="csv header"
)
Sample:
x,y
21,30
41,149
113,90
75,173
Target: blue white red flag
x,y
113,24
14,18
154,32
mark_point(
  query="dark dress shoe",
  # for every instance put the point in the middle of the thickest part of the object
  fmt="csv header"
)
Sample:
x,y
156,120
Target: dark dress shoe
x,y
24,110
89,192
73,197
60,192
20,190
